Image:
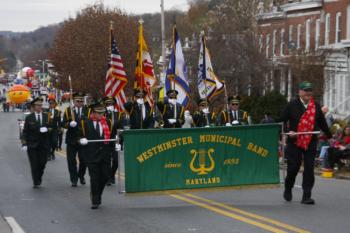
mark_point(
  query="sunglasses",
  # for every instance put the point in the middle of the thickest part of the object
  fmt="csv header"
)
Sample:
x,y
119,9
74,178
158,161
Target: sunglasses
x,y
202,105
234,104
79,101
308,90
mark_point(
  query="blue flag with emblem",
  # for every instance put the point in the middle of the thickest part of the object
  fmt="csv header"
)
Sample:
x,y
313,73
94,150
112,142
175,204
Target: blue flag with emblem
x,y
176,76
208,84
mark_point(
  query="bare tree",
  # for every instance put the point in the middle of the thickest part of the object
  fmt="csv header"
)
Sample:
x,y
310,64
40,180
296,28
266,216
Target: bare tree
x,y
82,46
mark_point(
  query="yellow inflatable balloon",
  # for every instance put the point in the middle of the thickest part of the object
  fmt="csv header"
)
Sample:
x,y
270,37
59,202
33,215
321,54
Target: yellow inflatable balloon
x,y
18,94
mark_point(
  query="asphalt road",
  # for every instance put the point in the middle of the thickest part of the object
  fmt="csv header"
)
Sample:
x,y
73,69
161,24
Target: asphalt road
x,y
59,208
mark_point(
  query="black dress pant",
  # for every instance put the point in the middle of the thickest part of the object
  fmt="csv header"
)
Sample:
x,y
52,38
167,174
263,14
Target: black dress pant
x,y
37,159
74,172
53,136
294,156
114,163
99,175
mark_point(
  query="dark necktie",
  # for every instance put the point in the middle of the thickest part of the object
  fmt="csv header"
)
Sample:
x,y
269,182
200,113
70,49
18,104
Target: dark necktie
x,y
38,119
98,128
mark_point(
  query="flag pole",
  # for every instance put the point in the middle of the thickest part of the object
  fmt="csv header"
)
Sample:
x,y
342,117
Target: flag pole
x,y
205,73
174,48
140,53
226,98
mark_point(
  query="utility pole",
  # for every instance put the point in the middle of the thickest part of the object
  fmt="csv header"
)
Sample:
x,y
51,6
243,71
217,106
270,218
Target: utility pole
x,y
163,39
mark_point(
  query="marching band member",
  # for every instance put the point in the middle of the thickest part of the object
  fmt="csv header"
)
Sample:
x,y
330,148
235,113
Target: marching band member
x,y
203,117
72,117
139,111
172,112
116,118
234,116
55,116
97,154
35,140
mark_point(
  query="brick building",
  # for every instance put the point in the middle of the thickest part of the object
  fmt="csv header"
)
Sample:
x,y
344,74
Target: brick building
x,y
308,28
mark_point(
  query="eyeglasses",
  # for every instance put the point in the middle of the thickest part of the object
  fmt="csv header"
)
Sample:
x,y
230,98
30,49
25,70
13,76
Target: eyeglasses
x,y
234,104
202,105
79,101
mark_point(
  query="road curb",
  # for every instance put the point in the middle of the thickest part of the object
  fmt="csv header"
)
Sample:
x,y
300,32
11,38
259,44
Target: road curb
x,y
4,226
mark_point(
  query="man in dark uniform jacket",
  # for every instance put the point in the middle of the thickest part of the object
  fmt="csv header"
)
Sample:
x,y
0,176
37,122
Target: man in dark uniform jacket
x,y
302,115
97,154
139,112
203,117
172,112
116,118
71,118
36,140
234,116
55,116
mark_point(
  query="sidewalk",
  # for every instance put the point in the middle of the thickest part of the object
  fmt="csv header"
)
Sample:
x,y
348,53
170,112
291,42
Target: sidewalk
x,y
4,226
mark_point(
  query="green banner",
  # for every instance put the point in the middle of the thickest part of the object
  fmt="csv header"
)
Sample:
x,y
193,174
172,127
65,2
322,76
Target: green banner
x,y
168,159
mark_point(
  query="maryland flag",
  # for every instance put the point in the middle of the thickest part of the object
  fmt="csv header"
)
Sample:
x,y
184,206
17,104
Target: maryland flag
x,y
144,73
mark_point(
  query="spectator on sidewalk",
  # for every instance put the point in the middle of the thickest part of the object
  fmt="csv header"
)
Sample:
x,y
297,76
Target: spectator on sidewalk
x,y
340,150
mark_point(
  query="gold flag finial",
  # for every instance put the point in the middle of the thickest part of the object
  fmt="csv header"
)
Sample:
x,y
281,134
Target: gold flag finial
x,y
141,21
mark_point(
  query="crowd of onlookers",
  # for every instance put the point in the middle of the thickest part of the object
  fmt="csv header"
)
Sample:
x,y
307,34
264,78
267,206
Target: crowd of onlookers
x,y
334,153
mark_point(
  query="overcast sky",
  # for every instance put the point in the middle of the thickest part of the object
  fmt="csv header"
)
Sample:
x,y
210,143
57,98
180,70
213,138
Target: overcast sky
x,y
28,15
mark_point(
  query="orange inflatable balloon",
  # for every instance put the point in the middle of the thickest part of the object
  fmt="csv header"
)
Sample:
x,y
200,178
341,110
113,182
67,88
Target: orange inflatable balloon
x,y
18,94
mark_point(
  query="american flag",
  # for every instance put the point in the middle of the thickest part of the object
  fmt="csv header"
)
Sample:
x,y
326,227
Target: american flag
x,y
116,78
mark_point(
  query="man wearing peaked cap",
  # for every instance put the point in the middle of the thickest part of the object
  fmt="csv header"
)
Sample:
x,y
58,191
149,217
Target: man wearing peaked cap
x,y
203,117
97,154
35,140
71,120
55,116
234,115
139,112
302,114
117,120
171,111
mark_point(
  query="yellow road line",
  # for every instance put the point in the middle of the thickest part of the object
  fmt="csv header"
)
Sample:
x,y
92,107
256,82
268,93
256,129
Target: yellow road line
x,y
229,214
248,214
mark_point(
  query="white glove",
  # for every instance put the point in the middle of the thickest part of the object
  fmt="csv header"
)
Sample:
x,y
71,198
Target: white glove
x,y
83,141
228,124
207,126
172,121
73,124
43,130
24,148
188,119
235,122
118,147
206,110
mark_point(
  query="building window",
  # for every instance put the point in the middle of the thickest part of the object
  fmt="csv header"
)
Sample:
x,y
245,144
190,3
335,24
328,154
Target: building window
x,y
282,43
267,45
317,33
274,43
338,28
327,29
290,36
307,34
298,36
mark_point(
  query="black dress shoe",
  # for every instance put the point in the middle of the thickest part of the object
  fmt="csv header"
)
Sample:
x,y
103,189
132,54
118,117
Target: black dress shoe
x,y
74,185
113,181
94,207
82,181
36,186
308,201
287,195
